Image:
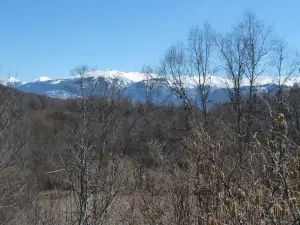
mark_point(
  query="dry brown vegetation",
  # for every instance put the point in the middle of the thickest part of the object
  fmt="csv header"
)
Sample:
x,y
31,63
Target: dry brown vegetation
x,y
105,160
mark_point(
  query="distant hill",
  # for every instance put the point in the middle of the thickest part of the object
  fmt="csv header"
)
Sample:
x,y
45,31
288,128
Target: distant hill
x,y
134,85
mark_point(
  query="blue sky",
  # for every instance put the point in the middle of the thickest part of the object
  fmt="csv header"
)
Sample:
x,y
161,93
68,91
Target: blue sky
x,y
51,37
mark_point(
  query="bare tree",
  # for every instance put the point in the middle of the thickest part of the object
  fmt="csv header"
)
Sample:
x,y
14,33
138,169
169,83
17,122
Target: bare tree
x,y
246,53
174,69
233,52
260,42
286,67
94,167
149,84
201,44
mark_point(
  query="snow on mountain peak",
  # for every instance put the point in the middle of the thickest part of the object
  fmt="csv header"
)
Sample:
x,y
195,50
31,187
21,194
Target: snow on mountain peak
x,y
12,80
127,77
132,80
42,79
224,82
188,81
214,81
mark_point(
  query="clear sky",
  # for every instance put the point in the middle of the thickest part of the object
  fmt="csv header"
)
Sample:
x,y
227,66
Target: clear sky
x,y
51,37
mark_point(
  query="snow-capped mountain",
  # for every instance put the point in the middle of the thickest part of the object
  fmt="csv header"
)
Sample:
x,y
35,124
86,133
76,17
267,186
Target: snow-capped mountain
x,y
11,81
136,85
42,79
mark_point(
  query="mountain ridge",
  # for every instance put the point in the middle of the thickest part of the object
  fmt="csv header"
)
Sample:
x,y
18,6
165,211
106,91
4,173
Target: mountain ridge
x,y
134,85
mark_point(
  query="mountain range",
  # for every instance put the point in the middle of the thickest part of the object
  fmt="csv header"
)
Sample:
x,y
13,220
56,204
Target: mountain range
x,y
135,85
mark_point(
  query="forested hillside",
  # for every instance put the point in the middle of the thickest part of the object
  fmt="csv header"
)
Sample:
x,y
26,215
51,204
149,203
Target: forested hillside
x,y
109,161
